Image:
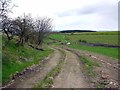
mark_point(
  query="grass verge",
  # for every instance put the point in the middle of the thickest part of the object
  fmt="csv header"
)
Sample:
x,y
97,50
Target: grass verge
x,y
89,64
48,80
15,59
100,37
111,52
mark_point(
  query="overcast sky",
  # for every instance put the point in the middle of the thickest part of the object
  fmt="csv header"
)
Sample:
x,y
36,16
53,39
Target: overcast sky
x,y
73,14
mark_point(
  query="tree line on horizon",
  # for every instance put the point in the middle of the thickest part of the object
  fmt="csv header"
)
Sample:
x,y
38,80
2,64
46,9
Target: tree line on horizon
x,y
74,31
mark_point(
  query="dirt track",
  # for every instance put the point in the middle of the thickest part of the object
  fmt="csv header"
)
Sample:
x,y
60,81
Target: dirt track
x,y
33,77
107,72
71,75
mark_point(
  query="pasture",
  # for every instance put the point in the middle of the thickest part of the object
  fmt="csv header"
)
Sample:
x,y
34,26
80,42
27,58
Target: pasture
x,y
110,38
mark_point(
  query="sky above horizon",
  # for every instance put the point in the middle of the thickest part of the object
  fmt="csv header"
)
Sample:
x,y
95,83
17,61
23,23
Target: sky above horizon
x,y
72,14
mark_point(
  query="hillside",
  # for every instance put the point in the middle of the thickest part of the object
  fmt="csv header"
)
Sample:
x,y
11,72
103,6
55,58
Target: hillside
x,y
109,38
16,58
66,65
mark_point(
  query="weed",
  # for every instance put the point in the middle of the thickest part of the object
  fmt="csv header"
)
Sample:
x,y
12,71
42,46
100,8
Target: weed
x,y
91,37
89,65
48,80
110,52
11,61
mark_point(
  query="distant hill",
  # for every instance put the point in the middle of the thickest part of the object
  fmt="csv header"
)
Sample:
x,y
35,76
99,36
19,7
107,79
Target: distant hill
x,y
73,31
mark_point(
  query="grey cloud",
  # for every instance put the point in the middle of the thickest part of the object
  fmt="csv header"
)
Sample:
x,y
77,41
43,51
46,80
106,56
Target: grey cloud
x,y
64,14
79,11
87,10
99,8
107,12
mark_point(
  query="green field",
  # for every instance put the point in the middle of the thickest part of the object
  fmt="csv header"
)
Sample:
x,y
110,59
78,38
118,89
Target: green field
x,y
106,39
11,54
100,33
91,37
15,59
111,52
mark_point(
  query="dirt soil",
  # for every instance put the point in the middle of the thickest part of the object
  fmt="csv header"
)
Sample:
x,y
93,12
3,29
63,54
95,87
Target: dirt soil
x,y
106,73
71,75
36,73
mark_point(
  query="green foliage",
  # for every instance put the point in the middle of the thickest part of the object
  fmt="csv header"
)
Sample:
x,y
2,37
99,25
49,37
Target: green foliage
x,y
89,64
89,37
110,38
111,52
48,81
100,33
16,58
60,37
106,39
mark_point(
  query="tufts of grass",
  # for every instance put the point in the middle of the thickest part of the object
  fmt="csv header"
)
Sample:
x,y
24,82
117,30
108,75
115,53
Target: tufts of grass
x,y
105,39
92,37
61,37
15,59
100,33
48,80
89,65
110,52
100,86
89,37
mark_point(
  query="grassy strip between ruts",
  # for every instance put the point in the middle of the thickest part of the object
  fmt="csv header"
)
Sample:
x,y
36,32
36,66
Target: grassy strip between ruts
x,y
15,59
48,80
89,64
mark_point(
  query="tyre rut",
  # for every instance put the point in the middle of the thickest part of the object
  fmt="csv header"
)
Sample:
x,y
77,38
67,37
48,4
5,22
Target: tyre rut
x,y
32,78
71,75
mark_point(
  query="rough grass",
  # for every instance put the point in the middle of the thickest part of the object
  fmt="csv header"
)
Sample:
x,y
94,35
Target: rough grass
x,y
89,64
48,80
11,61
110,52
100,33
105,39
91,37
61,37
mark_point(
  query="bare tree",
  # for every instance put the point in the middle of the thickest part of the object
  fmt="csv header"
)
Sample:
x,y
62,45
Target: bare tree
x,y
7,27
25,25
5,22
5,7
29,27
43,26
20,22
